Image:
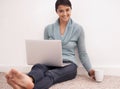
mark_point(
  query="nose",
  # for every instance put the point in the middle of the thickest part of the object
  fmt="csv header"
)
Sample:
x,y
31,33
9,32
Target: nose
x,y
65,13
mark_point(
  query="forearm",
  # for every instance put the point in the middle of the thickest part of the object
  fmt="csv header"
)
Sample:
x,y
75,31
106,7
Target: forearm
x,y
85,61
82,51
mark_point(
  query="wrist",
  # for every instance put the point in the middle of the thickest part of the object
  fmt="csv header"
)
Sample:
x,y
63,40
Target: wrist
x,y
91,72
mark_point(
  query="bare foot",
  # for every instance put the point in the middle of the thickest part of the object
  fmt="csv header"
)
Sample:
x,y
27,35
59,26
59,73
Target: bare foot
x,y
12,84
20,79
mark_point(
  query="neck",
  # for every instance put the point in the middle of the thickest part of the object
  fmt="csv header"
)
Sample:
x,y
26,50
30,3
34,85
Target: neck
x,y
63,23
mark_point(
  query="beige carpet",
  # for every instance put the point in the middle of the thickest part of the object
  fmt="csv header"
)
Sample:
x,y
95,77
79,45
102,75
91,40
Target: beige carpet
x,y
80,82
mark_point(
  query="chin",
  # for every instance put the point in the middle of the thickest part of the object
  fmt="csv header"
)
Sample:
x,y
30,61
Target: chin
x,y
66,20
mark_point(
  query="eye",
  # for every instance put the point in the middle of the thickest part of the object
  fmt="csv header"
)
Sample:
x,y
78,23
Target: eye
x,y
67,10
60,11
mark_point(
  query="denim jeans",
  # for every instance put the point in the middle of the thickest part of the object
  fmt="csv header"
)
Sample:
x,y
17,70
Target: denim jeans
x,y
45,76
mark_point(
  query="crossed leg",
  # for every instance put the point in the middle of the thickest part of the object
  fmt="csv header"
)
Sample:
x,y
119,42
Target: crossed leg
x,y
19,80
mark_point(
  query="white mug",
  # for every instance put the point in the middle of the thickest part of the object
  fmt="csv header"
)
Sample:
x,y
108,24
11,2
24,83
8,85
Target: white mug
x,y
99,75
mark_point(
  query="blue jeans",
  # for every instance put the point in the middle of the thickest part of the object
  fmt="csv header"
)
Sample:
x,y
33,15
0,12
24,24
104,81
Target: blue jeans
x,y
45,76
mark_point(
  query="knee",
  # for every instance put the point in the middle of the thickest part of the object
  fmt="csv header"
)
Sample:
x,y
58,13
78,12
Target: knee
x,y
38,66
74,67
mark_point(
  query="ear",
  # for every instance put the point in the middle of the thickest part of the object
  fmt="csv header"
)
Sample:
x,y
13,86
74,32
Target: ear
x,y
57,13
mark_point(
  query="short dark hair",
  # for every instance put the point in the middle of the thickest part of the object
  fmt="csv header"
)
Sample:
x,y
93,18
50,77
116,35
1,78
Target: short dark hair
x,y
62,2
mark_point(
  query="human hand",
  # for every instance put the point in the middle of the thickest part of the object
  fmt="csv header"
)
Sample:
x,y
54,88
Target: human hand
x,y
91,73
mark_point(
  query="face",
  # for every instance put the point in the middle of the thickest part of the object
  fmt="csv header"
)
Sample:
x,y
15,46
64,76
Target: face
x,y
64,13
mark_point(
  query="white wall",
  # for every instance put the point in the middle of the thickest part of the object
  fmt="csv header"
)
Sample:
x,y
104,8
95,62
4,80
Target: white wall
x,y
26,19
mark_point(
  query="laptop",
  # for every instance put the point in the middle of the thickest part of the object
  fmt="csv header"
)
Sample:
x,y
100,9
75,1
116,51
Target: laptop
x,y
48,52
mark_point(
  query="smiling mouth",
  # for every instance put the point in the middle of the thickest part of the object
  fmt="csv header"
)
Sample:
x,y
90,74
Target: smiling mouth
x,y
65,17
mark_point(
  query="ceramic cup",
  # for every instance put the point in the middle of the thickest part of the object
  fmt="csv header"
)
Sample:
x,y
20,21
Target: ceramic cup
x,y
99,75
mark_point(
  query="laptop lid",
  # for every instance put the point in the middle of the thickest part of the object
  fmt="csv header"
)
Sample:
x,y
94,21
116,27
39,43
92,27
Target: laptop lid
x,y
47,52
